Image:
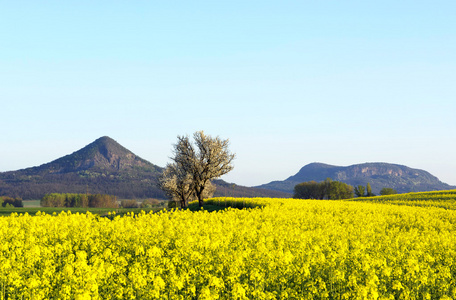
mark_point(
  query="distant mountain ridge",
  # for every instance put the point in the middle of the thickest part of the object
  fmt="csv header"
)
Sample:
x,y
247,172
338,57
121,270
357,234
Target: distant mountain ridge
x,y
378,175
103,167
106,167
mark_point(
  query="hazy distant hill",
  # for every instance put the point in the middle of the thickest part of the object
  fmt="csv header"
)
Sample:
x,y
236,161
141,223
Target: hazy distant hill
x,y
104,167
225,189
379,175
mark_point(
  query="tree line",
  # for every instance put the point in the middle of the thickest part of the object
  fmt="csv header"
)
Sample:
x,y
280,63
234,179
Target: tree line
x,y
79,200
333,190
327,189
139,185
8,201
360,191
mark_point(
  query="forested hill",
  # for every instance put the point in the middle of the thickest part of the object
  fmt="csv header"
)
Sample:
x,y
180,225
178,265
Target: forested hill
x,y
103,155
379,175
103,167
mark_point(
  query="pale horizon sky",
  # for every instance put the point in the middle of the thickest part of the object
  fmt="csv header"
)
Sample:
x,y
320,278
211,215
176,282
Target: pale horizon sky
x,y
288,82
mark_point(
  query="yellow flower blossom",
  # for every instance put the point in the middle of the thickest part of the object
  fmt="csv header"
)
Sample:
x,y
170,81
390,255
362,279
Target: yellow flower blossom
x,y
268,249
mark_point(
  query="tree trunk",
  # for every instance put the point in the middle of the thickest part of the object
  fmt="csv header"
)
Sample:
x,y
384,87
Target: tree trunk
x,y
200,199
199,194
184,201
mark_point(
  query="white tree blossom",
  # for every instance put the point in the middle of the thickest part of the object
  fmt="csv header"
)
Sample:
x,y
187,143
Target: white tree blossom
x,y
176,184
205,159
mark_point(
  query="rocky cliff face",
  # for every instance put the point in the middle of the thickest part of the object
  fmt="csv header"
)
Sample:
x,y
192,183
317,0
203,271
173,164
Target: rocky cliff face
x,y
379,175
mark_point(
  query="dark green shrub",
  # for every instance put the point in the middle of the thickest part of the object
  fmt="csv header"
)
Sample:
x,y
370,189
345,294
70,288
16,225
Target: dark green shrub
x,y
8,201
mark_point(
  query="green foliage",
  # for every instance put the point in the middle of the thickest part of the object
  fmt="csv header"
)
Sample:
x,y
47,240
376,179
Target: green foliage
x,y
65,200
359,191
369,190
173,204
11,202
309,190
327,189
339,190
388,191
78,200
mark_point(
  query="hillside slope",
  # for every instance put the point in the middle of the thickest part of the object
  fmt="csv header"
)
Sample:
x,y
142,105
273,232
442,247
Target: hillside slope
x,y
379,175
225,189
103,166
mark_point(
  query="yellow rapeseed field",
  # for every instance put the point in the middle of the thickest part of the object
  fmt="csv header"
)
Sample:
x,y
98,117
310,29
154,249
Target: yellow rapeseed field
x,y
282,249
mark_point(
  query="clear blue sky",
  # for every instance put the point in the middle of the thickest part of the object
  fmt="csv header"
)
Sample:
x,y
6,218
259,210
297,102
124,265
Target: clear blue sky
x,y
288,82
